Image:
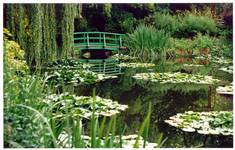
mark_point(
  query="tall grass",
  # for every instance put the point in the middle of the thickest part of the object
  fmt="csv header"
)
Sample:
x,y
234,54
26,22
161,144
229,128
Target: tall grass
x,y
147,42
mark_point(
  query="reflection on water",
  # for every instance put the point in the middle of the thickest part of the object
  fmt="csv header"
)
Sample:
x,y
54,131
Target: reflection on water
x,y
167,99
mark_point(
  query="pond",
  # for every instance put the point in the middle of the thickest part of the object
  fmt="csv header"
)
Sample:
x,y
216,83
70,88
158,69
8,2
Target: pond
x,y
166,99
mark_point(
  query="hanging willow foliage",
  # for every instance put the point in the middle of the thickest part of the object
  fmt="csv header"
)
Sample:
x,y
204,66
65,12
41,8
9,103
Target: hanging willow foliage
x,y
107,8
67,28
35,39
45,31
48,51
21,23
16,22
10,8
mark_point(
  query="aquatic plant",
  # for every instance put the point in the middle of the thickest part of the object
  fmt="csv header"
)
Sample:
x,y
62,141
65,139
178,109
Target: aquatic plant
x,y
64,62
98,138
221,60
228,89
136,65
147,42
228,69
67,64
192,65
81,106
127,141
75,77
123,57
176,77
214,122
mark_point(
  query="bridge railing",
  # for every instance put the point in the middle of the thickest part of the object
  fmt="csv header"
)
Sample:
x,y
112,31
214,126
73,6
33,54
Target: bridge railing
x,y
98,40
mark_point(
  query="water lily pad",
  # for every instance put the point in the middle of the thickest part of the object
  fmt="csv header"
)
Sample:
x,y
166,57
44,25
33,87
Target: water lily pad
x,y
176,77
83,105
192,65
203,132
136,65
123,57
188,129
214,122
228,69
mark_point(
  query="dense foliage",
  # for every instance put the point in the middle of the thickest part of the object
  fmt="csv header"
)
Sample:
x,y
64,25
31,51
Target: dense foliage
x,y
52,36
13,53
45,31
40,36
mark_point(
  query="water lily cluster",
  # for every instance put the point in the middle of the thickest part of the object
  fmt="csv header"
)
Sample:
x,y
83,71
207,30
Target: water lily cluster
x,y
214,122
228,89
123,57
82,106
68,64
228,69
204,57
217,60
67,76
192,65
176,77
137,65
221,60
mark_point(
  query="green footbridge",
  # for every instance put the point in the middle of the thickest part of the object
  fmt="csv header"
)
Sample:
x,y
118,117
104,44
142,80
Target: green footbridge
x,y
100,41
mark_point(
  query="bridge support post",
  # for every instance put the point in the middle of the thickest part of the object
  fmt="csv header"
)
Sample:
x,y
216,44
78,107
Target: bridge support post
x,y
87,36
104,40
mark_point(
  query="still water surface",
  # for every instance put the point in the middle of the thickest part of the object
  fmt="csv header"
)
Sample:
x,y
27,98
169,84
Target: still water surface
x,y
166,99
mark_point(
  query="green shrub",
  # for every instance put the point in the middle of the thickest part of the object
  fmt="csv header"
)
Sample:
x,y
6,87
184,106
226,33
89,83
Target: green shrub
x,y
181,44
167,22
13,53
180,47
200,44
128,25
222,48
191,24
203,41
147,42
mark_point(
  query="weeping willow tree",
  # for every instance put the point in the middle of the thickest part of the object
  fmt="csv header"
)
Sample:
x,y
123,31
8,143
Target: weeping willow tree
x,y
67,29
20,26
35,39
16,22
10,12
44,31
49,47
